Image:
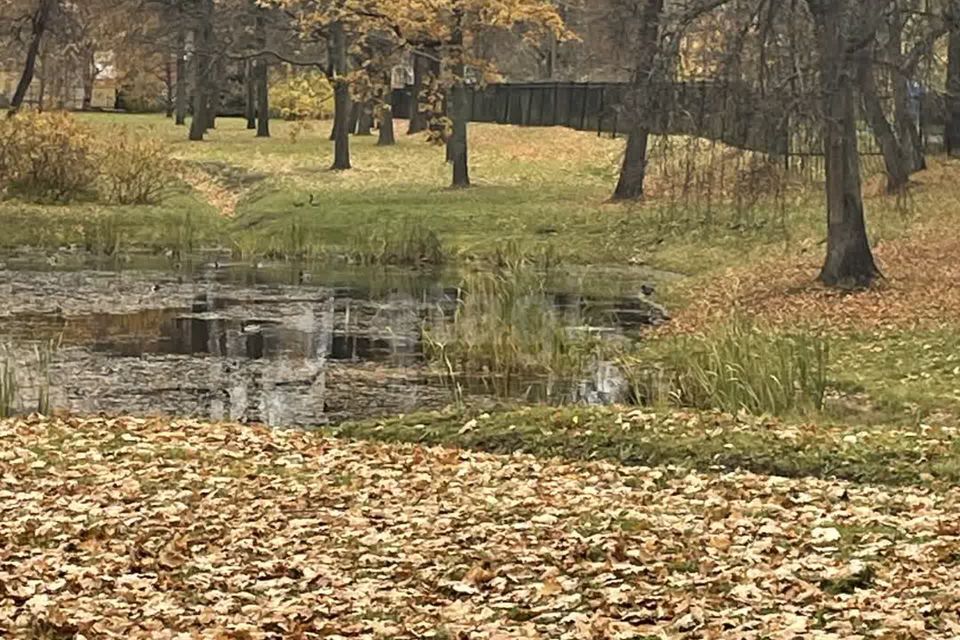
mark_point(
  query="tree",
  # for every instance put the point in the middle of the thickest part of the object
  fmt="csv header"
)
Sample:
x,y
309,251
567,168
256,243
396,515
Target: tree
x,y
262,72
250,95
180,109
426,68
953,79
39,23
341,97
451,27
894,156
202,68
842,26
633,173
387,137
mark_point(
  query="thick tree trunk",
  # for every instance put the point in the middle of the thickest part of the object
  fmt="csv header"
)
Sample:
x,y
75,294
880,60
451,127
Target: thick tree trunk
x,y
39,22
250,94
849,262
203,37
633,173
341,99
181,106
894,159
953,92
418,118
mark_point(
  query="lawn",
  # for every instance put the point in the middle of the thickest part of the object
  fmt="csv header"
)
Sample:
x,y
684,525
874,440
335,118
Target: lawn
x,y
537,191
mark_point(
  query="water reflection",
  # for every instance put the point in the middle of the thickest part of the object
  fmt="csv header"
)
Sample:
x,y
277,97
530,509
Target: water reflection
x,y
255,344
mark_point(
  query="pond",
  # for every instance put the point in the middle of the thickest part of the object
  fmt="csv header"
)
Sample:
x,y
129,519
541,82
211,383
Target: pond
x,y
280,344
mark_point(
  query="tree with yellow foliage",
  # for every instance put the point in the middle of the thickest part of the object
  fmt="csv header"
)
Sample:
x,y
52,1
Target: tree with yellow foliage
x,y
438,30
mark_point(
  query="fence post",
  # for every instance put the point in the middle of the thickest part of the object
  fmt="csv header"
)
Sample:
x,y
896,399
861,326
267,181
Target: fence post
x,y
583,110
603,91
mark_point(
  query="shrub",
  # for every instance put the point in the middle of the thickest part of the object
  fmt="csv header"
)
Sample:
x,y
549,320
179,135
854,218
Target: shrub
x,y
134,170
46,157
738,366
302,96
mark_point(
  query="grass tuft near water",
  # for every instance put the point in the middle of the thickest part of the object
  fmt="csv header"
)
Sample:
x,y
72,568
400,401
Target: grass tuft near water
x,y
507,338
739,365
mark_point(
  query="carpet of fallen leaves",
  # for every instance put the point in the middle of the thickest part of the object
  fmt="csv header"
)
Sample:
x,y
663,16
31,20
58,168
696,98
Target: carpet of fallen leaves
x,y
149,529
918,291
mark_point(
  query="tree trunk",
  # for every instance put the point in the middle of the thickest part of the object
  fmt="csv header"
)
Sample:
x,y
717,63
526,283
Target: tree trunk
x,y
218,77
907,117
169,82
418,118
457,146
263,98
89,79
262,70
42,91
354,119
365,119
633,172
181,106
250,94
898,174
341,98
39,22
387,136
849,262
953,92
203,37
906,109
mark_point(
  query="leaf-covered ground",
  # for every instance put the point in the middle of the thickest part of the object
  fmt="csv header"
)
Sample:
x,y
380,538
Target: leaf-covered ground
x,y
146,529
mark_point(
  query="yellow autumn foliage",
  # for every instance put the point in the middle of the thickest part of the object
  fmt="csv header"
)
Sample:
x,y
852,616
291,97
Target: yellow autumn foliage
x,y
46,157
51,157
302,96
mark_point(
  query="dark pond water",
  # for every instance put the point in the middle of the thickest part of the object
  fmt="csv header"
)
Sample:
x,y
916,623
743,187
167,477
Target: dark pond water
x,y
280,344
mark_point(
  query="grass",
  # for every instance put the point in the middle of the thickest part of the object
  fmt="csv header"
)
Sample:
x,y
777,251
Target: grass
x,y
25,383
543,190
705,441
907,375
405,242
8,386
739,365
505,337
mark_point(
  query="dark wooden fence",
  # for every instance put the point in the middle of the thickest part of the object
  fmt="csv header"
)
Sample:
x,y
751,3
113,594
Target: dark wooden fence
x,y
723,111
713,110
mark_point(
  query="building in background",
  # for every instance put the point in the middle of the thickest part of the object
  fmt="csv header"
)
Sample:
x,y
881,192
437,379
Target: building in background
x,y
63,83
